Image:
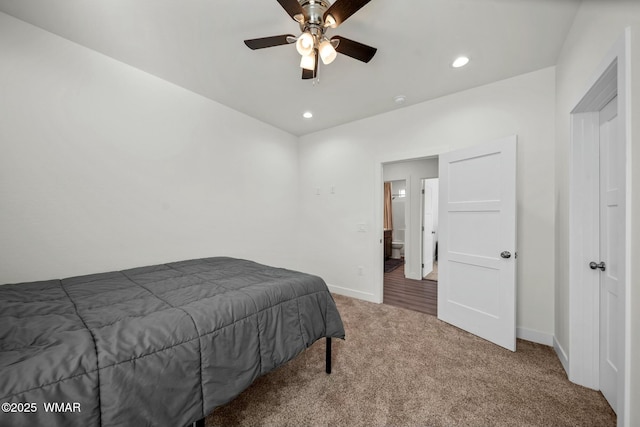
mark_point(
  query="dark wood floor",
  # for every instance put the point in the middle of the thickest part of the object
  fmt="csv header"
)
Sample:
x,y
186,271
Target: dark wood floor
x,y
418,295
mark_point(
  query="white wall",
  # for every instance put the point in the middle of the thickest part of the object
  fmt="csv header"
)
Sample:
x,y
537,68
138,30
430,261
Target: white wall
x,y
105,167
596,28
413,172
349,158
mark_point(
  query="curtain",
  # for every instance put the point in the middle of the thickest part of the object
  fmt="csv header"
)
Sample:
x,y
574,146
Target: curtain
x,y
388,215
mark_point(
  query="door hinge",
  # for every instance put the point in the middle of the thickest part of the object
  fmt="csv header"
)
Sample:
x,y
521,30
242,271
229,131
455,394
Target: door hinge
x,y
422,265
423,191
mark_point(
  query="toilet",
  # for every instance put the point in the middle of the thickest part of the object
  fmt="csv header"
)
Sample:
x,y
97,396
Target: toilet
x,y
396,248
397,244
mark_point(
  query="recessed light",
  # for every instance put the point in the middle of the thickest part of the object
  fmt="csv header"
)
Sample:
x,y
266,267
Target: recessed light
x,y
399,99
460,61
307,114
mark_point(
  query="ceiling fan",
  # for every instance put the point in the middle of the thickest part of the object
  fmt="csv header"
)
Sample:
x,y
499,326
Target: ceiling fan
x,y
315,17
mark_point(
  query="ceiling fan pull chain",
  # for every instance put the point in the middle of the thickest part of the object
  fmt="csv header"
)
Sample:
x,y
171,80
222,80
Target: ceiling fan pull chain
x,y
316,78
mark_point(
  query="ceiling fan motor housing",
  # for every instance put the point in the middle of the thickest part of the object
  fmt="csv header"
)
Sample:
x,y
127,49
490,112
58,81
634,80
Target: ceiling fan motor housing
x,y
315,10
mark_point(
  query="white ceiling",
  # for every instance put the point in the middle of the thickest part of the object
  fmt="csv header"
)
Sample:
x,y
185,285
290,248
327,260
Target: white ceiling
x,y
198,44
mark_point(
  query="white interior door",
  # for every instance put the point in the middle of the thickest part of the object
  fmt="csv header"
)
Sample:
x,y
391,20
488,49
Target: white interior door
x,y
611,239
477,244
427,228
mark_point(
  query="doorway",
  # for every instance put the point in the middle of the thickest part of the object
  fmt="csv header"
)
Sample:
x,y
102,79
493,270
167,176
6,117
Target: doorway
x,y
477,248
603,256
395,220
598,234
404,215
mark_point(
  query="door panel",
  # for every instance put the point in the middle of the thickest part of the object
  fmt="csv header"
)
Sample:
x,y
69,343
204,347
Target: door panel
x,y
477,210
473,233
611,239
464,183
483,296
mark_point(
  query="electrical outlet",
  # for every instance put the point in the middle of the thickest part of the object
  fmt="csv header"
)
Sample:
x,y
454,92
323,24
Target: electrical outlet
x,y
360,270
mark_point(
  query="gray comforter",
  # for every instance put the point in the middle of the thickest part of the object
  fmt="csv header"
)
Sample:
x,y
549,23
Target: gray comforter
x,y
152,346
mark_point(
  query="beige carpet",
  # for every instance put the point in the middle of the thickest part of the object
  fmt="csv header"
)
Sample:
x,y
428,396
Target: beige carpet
x,y
403,368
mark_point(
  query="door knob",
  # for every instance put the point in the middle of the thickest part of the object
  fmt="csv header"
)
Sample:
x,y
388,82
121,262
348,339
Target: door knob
x,y
506,254
594,265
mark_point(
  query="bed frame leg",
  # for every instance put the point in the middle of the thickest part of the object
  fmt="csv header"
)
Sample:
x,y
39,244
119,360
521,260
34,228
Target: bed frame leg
x,y
328,356
199,423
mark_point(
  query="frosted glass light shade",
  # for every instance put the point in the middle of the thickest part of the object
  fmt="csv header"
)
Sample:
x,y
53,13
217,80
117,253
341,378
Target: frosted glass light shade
x,y
327,52
304,45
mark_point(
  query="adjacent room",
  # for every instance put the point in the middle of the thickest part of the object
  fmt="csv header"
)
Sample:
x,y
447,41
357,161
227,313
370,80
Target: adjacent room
x,y
316,212
411,234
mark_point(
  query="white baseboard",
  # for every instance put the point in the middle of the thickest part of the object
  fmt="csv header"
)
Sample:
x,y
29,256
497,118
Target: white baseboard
x,y
534,336
353,293
522,333
562,355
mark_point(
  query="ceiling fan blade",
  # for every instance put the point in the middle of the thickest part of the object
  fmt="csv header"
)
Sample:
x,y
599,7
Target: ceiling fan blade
x,y
307,74
293,8
311,74
341,10
263,42
356,50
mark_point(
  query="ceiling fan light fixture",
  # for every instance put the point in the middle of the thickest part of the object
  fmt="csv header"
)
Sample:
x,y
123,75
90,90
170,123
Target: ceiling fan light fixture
x,y
314,18
327,52
304,45
308,62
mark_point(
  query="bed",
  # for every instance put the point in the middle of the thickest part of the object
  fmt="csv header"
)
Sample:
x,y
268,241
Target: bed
x,y
162,345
